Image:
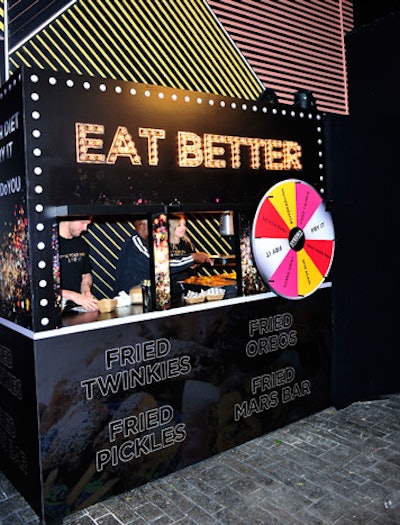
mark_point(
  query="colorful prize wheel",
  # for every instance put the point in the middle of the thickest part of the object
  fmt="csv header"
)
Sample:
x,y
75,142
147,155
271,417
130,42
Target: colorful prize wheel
x,y
293,239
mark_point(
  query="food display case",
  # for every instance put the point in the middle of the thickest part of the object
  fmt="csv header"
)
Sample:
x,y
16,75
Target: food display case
x,y
96,403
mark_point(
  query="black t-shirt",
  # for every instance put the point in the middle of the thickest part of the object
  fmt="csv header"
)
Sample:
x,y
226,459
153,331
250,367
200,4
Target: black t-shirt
x,y
74,262
182,264
181,267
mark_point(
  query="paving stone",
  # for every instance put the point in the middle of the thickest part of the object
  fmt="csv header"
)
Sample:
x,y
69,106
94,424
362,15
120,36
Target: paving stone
x,y
336,467
80,519
108,519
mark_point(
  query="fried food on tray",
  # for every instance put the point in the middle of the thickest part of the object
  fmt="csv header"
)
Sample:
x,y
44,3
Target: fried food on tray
x,y
208,281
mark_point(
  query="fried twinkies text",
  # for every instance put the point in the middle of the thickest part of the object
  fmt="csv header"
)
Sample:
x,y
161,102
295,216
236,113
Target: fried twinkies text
x,y
133,366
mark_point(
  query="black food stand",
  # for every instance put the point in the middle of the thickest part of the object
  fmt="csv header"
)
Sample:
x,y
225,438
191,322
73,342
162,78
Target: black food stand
x,y
95,404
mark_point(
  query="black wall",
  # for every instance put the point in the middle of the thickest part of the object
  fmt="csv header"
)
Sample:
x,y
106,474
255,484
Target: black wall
x,y
363,175
367,11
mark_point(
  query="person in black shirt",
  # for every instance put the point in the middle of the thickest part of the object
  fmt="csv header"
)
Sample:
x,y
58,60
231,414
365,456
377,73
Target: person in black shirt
x,y
75,267
184,259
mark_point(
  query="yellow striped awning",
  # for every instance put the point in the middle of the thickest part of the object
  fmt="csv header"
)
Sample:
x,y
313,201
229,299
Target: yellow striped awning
x,y
174,43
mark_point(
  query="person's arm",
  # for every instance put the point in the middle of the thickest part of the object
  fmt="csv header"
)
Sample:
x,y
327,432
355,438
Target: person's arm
x,y
133,265
184,262
86,284
180,263
85,298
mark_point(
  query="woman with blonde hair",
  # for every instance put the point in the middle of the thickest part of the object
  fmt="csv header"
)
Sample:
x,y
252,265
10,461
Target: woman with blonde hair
x,y
183,257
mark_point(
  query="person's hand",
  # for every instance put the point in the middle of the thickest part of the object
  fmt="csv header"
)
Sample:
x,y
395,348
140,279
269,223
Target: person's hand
x,y
202,258
86,300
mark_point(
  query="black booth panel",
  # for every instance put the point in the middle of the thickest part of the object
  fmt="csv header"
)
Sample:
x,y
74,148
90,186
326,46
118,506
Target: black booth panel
x,y
222,376
363,180
19,434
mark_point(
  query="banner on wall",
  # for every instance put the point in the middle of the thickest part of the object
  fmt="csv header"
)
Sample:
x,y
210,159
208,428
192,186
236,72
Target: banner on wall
x,y
119,143
15,286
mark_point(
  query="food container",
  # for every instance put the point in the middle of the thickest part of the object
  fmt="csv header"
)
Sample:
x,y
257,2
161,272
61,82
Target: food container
x,y
226,223
215,294
194,297
106,305
136,295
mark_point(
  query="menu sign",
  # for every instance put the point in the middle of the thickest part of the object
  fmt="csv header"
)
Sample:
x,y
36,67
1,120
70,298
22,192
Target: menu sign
x,y
139,401
124,143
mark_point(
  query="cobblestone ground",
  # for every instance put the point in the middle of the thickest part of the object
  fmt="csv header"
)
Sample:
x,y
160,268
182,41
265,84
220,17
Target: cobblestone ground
x,y
337,467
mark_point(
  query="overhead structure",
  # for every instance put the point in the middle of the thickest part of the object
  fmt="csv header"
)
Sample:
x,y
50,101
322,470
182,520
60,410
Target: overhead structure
x,y
172,44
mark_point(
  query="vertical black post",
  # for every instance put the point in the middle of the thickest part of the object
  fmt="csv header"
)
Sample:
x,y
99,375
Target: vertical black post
x,y
2,60
4,44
